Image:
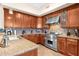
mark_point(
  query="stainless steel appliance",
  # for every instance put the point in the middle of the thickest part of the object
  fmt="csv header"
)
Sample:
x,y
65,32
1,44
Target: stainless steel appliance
x,y
51,41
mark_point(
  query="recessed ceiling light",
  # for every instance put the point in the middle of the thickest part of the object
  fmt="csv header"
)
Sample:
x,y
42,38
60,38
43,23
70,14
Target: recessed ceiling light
x,y
10,11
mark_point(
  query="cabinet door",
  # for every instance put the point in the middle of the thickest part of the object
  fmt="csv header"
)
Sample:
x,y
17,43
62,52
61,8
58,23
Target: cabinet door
x,y
33,38
42,39
25,21
78,47
8,19
33,22
44,25
73,16
39,22
18,20
61,43
64,19
72,47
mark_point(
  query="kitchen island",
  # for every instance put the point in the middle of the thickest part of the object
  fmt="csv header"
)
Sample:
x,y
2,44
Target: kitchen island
x,y
21,47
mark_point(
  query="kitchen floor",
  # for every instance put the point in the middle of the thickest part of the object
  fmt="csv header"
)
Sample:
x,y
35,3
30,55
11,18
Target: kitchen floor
x,y
44,51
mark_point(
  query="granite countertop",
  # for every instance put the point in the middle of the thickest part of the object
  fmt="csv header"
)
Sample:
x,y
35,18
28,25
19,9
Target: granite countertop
x,y
73,37
16,47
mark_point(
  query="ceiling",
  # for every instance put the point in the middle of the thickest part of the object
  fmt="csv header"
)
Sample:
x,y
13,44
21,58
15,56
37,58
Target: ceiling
x,y
37,9
38,6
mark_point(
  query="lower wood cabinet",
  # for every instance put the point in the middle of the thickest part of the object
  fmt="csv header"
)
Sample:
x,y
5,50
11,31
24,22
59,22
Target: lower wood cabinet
x,y
32,38
78,47
36,38
62,45
68,46
41,39
72,47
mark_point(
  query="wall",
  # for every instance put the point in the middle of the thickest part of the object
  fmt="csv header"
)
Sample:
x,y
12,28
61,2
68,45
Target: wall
x,y
1,17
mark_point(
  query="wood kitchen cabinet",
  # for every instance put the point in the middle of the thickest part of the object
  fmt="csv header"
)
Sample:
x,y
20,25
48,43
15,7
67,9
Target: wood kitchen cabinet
x,y
68,46
26,21
32,37
36,38
19,20
61,43
18,17
8,19
69,17
39,22
44,25
78,48
42,39
73,16
64,22
71,47
33,22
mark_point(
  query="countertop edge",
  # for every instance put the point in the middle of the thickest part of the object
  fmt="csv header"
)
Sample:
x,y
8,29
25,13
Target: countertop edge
x,y
24,51
73,37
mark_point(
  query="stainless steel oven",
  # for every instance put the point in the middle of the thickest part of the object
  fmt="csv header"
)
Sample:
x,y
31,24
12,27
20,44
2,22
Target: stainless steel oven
x,y
51,41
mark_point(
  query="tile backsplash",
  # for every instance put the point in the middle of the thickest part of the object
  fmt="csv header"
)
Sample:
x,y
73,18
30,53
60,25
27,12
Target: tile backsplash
x,y
63,31
57,28
27,30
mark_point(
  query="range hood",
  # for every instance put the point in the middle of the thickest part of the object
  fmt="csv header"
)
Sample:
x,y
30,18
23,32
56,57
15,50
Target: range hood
x,y
53,20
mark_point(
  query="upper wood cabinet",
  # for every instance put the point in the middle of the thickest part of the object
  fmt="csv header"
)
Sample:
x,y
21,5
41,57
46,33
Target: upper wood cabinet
x,y
19,20
18,17
64,22
39,22
44,25
33,22
73,16
8,19
69,17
